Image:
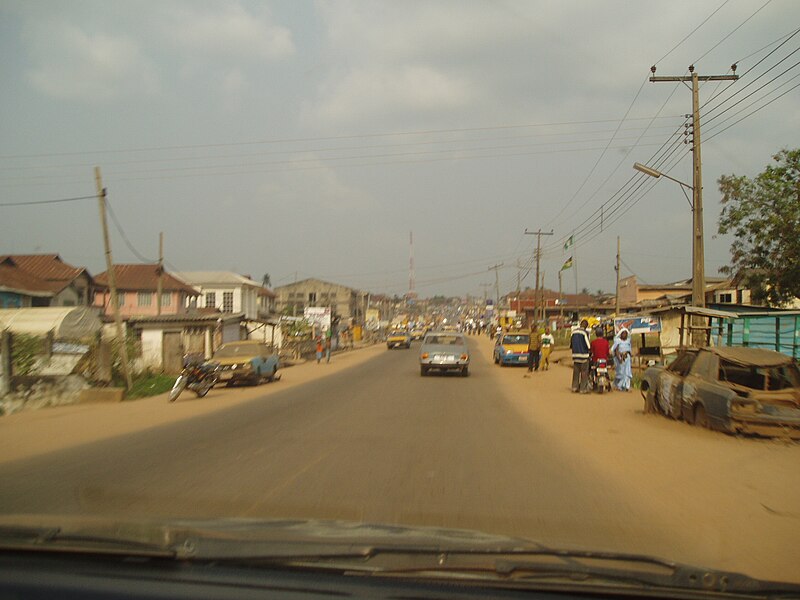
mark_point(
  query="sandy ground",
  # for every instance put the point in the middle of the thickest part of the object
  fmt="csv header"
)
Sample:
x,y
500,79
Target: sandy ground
x,y
32,433
740,497
705,497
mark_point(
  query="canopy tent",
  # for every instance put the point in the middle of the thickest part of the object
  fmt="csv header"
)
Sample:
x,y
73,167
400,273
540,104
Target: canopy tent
x,y
66,322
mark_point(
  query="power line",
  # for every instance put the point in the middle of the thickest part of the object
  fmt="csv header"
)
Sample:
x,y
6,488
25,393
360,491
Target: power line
x,y
675,47
754,112
732,32
317,139
125,237
55,201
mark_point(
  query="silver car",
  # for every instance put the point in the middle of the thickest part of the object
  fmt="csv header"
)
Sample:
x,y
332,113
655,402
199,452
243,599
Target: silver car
x,y
445,351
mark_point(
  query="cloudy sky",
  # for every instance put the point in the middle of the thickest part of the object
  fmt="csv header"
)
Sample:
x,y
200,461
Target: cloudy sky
x,y
307,139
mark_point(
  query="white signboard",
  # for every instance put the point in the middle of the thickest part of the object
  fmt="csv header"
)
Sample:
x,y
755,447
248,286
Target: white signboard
x,y
319,316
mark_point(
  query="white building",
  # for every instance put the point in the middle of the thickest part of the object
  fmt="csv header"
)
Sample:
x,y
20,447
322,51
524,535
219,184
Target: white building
x,y
230,292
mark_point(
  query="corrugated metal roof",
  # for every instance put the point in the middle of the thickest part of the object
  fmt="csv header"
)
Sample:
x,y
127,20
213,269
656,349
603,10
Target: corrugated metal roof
x,y
13,279
209,278
47,266
192,317
138,277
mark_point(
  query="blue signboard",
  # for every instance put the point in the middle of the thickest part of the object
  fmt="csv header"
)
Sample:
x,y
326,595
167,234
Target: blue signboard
x,y
638,324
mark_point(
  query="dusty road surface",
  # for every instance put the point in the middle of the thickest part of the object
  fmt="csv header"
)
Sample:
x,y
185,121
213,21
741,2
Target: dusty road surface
x,y
367,439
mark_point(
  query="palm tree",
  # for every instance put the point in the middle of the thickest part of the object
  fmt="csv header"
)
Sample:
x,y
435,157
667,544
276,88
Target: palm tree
x,y
266,280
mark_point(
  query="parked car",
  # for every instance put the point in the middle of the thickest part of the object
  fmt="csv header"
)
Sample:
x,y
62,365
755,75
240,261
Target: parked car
x,y
512,349
417,334
444,351
398,339
247,361
738,390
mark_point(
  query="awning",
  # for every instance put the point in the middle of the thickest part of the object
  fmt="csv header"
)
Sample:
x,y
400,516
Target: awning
x,y
66,322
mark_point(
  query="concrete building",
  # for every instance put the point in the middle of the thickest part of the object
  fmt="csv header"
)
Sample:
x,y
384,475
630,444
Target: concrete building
x,y
230,292
719,290
345,302
39,280
137,286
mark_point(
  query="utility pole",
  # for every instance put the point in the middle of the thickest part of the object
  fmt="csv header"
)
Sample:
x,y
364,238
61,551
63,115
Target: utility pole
x,y
160,286
698,257
112,280
560,299
616,298
537,256
496,268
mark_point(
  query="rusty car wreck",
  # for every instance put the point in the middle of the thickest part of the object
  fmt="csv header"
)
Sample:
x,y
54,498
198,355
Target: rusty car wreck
x,y
736,390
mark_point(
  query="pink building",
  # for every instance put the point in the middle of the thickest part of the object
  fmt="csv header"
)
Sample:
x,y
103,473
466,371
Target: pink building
x,y
137,287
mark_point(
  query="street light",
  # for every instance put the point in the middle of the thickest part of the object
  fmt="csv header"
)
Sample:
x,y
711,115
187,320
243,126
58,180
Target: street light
x,y
698,259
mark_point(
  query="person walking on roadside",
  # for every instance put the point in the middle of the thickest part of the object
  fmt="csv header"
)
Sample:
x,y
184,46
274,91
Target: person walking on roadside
x,y
622,361
548,341
579,344
328,336
319,349
534,350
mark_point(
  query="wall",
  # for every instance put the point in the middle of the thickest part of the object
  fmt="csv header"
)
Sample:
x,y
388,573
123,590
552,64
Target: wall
x,y
130,307
151,348
338,297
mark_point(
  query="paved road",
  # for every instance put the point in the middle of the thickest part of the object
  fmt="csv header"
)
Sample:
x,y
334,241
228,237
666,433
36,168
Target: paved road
x,y
373,443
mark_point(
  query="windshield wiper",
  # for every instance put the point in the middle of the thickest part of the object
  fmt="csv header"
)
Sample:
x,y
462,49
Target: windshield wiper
x,y
54,539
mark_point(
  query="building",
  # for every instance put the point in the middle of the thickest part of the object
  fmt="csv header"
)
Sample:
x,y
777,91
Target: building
x,y
719,290
570,305
230,292
49,280
345,302
137,286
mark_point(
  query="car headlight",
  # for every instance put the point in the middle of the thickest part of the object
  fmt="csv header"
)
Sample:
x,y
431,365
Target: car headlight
x,y
509,351
465,357
424,356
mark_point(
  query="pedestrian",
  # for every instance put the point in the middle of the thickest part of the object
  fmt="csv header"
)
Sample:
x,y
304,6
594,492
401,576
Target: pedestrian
x,y
534,349
622,361
579,344
319,349
548,341
328,336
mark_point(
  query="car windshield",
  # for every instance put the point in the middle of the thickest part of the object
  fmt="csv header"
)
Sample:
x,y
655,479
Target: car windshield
x,y
361,216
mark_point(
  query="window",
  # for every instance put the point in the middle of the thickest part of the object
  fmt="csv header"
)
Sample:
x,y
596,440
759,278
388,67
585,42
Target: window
x,y
166,299
227,302
120,298
145,299
211,299
726,298
312,296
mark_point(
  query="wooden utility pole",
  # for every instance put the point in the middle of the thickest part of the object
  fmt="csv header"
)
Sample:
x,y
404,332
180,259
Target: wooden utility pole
x,y
537,256
616,297
160,286
112,280
698,257
560,299
496,268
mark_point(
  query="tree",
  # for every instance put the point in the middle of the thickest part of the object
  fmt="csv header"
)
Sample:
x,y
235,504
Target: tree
x,y
763,214
266,280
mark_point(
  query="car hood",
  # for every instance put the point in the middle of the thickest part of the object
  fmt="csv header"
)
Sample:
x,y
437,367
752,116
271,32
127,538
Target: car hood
x,y
514,347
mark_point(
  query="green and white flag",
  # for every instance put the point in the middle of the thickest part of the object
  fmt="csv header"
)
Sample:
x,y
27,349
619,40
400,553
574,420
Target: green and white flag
x,y
568,244
567,264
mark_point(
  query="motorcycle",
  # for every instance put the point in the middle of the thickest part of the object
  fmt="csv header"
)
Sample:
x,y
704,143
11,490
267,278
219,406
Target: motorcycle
x,y
598,376
197,375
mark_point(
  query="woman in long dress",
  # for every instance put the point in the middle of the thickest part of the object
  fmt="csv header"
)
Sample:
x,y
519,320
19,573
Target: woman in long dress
x,y
622,361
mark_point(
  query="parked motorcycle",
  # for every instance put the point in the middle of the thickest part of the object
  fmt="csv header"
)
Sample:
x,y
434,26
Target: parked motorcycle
x,y
197,375
598,376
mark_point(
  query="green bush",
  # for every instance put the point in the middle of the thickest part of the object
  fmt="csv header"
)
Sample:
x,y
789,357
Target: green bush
x,y
25,349
149,385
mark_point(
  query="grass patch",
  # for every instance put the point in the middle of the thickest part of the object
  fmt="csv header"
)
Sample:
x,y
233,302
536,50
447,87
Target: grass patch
x,y
150,385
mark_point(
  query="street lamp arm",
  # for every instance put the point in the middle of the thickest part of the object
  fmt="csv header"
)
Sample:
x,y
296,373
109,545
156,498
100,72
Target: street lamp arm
x,y
654,173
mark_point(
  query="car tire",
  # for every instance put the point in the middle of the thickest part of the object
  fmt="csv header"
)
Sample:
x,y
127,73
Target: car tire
x,y
423,370
465,372
271,376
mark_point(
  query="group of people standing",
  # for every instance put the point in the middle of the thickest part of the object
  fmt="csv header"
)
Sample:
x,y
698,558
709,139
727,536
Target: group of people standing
x,y
540,345
586,352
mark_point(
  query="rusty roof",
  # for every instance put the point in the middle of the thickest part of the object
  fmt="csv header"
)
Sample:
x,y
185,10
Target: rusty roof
x,y
47,266
143,277
757,357
14,279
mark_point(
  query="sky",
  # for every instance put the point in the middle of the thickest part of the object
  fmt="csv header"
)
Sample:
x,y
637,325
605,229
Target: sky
x,y
308,139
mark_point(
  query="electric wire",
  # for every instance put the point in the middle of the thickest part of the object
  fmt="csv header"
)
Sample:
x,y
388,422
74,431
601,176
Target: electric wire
x,y
697,60
124,236
54,201
692,32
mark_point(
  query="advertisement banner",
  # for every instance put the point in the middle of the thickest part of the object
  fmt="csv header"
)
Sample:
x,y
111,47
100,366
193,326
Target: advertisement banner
x,y
638,324
319,316
373,319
